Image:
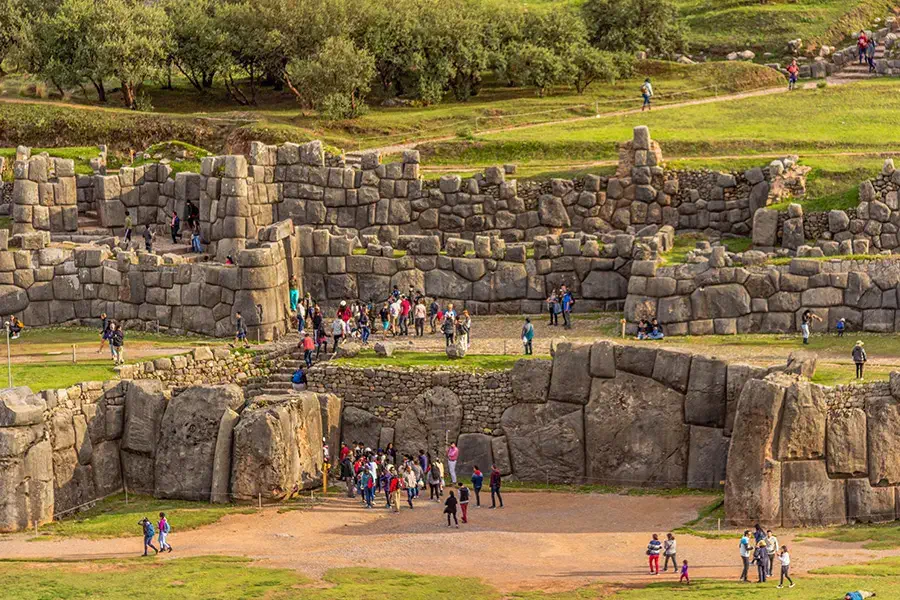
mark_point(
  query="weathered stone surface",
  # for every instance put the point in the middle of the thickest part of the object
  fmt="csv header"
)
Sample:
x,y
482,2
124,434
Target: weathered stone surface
x,y
809,497
707,457
803,423
144,409
720,301
531,379
737,376
430,419
546,441
221,466
765,227
604,285
638,360
867,504
753,480
571,377
635,431
18,406
603,359
188,440
361,426
846,448
500,452
31,474
672,369
706,399
474,449
883,427
331,406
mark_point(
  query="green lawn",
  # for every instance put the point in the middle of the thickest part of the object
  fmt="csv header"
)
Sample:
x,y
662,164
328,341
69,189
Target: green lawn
x,y
82,156
471,362
686,242
876,537
230,578
112,517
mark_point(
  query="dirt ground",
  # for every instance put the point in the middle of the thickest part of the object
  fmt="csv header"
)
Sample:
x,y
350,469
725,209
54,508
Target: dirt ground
x,y
539,540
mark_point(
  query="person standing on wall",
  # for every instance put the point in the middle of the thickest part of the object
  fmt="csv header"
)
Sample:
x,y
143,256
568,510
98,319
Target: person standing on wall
x,y
129,225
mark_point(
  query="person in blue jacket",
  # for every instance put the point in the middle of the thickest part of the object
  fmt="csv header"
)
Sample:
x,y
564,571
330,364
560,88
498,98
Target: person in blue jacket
x,y
567,302
147,527
477,482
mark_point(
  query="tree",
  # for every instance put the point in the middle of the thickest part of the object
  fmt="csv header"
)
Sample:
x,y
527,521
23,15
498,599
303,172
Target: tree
x,y
586,65
389,31
336,80
254,43
198,45
535,66
631,25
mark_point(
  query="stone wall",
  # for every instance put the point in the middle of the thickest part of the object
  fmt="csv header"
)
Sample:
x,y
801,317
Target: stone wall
x,y
804,455
44,193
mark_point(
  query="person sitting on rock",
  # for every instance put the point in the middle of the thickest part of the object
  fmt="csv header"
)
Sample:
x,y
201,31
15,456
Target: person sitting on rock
x,y
15,327
642,329
656,332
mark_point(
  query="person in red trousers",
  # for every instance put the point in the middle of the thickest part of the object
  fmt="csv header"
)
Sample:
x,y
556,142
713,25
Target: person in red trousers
x,y
464,501
653,550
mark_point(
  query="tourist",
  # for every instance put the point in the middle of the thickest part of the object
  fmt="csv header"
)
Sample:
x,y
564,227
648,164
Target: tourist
x,y
553,307
395,294
307,345
240,331
859,358
463,323
419,317
670,552
643,329
477,482
745,555
395,485
452,457
450,312
298,380
104,332
391,453
785,558
450,509
337,332
164,530
423,461
396,306
362,324
195,239
411,483
148,239
528,336
229,260
147,529
175,225
293,294
857,595
385,315
870,54
449,328
117,339
793,73
321,341
806,320
771,549
568,302
656,332
761,558
419,474
495,486
759,534
433,311
646,94
129,224
653,550
861,43
405,308
434,483
15,327
684,573
439,466
367,485
464,501
841,326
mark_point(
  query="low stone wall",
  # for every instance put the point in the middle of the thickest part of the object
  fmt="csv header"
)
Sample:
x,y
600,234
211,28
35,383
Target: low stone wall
x,y
698,299
44,193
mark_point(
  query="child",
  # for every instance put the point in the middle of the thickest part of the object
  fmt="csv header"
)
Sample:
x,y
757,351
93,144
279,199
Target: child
x,y
841,326
308,346
321,342
684,573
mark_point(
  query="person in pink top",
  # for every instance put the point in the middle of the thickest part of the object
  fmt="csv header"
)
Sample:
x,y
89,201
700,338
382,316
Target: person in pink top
x,y
405,307
452,457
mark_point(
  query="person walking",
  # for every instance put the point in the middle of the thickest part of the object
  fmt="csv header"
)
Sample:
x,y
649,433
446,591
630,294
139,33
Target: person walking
x,y
434,484
293,294
147,529
806,320
771,550
433,311
464,501
240,330
785,558
104,333
450,509
307,345
859,358
195,239
117,340
745,555
419,317
495,486
567,303
653,550
164,530
129,227
175,225
793,73
528,336
452,457
412,484
337,332
670,551
761,558
870,54
394,487
684,574
646,94
862,41
477,482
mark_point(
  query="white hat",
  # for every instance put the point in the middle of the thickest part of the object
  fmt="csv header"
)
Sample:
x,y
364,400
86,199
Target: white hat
x,y
343,303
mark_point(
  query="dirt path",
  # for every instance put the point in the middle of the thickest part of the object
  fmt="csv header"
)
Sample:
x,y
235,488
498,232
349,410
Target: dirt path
x,y
539,541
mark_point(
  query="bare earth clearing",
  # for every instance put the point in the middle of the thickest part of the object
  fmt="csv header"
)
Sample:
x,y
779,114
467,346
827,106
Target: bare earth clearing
x,y
539,541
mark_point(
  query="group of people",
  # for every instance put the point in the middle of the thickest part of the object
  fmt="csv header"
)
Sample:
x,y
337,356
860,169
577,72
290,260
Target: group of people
x,y
370,472
762,549
669,549
112,334
191,217
857,354
560,302
866,46
148,530
649,329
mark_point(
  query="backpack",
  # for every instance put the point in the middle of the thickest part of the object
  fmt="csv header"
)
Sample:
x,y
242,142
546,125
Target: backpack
x,y
168,527
644,89
148,529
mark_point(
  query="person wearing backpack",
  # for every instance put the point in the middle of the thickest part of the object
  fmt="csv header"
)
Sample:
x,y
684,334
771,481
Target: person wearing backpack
x,y
117,341
147,528
164,530
646,93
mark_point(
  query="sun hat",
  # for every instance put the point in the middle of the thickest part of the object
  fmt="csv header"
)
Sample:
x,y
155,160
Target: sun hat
x,y
859,343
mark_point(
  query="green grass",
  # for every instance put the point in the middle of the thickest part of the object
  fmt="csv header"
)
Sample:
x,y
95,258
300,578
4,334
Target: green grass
x,y
845,373
49,376
417,360
877,344
82,156
881,536
112,518
786,260
686,242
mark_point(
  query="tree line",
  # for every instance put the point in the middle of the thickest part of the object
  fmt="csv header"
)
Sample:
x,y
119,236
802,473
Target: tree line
x,y
331,54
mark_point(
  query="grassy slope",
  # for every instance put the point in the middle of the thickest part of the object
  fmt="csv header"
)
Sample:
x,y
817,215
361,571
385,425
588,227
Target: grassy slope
x,y
228,578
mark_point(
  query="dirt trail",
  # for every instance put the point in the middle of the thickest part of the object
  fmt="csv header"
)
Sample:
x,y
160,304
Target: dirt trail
x,y
539,541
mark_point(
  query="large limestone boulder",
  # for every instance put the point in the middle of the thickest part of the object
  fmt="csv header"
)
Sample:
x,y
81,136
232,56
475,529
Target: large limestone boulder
x,y
187,441
809,497
765,227
331,406
604,285
883,427
737,376
73,484
277,447
546,441
552,212
846,448
531,379
359,425
803,423
753,480
18,406
145,405
672,369
707,458
107,468
500,452
706,399
221,466
867,504
571,377
26,478
725,301
428,422
474,449
13,300
635,432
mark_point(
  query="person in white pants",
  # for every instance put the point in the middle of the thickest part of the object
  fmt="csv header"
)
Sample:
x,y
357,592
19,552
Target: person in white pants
x,y
452,457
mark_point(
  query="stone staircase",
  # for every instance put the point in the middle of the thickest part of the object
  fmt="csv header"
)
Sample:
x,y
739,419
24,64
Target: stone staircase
x,y
858,72
279,382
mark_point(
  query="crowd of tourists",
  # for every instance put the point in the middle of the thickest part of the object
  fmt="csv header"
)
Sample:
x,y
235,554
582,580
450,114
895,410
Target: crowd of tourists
x,y
372,473
762,550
